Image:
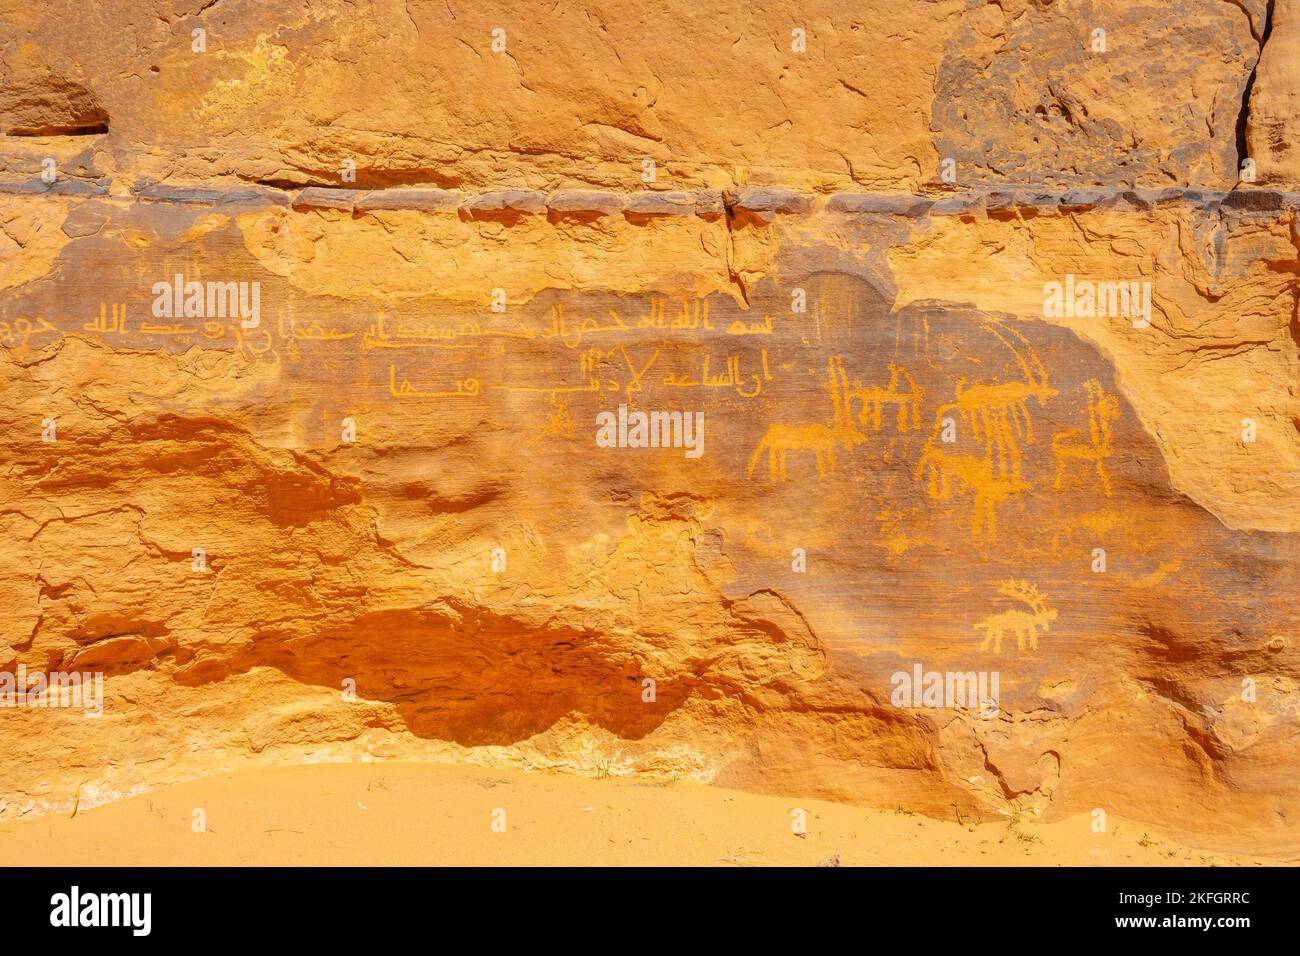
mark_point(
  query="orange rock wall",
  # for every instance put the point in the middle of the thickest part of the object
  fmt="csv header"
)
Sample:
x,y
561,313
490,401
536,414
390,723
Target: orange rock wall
x,y
377,520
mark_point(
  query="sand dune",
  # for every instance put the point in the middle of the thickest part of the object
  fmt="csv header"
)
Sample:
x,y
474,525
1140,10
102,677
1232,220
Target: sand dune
x,y
424,814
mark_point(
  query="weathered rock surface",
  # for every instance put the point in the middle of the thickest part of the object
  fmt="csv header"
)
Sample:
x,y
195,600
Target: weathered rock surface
x,y
389,480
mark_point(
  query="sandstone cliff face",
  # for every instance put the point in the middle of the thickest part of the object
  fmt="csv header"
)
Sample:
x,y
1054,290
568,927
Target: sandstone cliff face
x,y
376,519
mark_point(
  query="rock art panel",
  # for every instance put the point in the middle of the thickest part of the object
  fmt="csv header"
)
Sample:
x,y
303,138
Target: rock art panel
x,y
897,407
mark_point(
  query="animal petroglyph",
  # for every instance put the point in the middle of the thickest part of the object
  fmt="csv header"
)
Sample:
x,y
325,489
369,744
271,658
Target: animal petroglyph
x,y
950,472
998,416
820,439
1025,625
875,398
1067,447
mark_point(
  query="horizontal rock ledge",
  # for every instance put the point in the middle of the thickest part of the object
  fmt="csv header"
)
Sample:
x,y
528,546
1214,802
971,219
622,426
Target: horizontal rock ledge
x,y
762,205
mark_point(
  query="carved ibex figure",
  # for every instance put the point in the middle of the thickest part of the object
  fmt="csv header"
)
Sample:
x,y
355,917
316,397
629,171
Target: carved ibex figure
x,y
998,414
1023,624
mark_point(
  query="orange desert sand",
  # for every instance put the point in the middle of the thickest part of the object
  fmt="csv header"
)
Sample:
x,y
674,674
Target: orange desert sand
x,y
422,814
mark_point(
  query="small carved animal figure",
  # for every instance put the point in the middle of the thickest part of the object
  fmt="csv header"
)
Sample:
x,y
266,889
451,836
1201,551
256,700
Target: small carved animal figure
x,y
1023,624
781,439
875,398
947,470
1066,447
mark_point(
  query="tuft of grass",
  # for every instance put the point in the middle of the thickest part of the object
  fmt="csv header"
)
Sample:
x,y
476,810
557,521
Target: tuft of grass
x,y
1013,829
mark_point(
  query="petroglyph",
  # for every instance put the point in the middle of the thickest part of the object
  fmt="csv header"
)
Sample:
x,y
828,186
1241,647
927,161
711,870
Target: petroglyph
x,y
875,398
1066,446
820,439
1025,625
998,416
950,472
